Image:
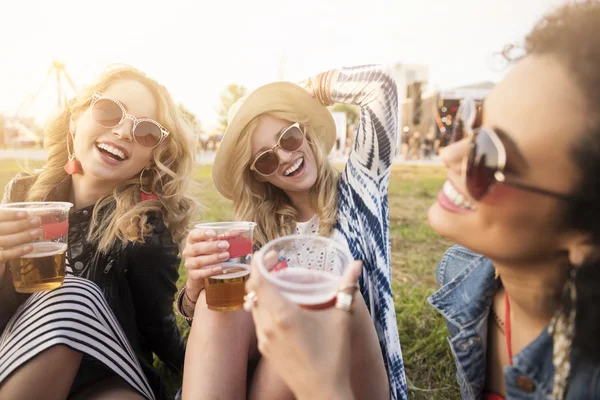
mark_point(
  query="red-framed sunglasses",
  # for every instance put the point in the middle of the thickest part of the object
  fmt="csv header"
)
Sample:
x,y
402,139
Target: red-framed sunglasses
x,y
267,162
108,112
486,161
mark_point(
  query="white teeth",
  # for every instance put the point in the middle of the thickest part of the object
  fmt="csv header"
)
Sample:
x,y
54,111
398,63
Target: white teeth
x,y
294,167
456,197
112,150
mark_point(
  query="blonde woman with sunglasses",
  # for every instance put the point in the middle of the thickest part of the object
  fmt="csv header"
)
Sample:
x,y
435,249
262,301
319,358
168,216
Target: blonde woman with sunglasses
x,y
121,153
273,164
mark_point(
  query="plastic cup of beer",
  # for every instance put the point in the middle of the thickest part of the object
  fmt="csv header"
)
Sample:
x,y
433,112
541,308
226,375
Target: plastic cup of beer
x,y
44,267
306,269
225,292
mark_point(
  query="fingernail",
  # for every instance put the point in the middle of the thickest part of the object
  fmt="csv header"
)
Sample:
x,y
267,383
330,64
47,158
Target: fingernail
x,y
216,269
210,233
224,256
223,244
35,232
21,214
35,222
27,248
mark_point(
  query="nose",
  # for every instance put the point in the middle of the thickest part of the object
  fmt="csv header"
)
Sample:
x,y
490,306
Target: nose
x,y
125,130
284,156
453,155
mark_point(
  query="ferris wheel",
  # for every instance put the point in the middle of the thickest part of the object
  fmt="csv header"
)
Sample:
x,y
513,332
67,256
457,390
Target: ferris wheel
x,y
57,75
18,129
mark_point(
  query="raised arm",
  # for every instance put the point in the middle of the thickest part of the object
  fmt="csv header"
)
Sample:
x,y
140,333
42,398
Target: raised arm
x,y
373,89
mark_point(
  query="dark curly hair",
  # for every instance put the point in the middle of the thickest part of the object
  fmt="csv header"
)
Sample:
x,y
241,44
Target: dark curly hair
x,y
571,34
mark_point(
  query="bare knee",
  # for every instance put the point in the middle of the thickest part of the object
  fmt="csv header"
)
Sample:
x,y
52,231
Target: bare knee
x,y
51,382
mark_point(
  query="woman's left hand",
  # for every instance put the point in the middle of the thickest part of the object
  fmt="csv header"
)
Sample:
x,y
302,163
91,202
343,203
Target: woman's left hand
x,y
310,349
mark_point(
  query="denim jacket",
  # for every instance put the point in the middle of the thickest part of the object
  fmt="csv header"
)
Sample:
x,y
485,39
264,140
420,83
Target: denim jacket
x,y
467,289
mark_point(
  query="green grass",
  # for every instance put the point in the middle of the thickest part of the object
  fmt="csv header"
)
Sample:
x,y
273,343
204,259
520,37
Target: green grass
x,y
416,251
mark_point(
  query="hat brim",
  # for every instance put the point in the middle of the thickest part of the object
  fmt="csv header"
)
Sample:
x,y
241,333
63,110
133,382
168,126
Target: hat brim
x,y
278,96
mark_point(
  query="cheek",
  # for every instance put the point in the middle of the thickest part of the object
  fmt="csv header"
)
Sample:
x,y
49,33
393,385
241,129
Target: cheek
x,y
512,223
502,194
142,155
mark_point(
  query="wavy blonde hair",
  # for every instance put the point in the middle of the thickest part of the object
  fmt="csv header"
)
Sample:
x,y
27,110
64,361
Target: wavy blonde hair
x,y
269,206
121,214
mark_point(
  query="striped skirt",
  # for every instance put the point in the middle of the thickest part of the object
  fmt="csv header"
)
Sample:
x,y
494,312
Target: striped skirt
x,y
75,315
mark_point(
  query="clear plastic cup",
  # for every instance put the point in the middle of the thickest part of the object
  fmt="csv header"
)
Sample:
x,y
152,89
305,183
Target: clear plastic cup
x,y
225,292
43,268
238,234
306,269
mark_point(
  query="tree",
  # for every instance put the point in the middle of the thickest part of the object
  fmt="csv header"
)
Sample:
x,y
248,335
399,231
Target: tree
x,y
229,96
352,112
190,118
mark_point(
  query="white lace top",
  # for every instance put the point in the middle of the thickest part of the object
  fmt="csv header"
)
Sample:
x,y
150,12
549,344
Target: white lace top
x,y
310,227
310,255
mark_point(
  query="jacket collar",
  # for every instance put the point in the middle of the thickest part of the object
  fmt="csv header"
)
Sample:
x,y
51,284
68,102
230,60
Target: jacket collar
x,y
466,299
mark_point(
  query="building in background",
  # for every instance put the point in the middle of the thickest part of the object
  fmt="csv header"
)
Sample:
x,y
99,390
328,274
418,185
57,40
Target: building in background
x,y
434,111
411,80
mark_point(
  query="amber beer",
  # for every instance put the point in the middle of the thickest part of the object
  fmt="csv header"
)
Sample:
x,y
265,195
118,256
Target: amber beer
x,y
42,269
226,292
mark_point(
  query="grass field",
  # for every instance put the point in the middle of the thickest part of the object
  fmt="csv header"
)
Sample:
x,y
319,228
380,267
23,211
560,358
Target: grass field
x,y
416,250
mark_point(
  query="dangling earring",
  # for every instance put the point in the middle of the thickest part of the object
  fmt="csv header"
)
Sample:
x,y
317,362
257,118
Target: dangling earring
x,y
73,166
145,195
562,328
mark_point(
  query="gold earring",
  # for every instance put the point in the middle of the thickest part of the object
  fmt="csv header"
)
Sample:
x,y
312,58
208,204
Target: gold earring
x,y
73,166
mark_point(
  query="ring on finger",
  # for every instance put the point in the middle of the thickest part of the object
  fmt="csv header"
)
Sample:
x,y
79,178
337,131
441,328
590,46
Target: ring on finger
x,y
250,301
344,301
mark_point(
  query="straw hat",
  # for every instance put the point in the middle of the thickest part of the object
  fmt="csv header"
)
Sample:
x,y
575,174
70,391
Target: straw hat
x,y
278,96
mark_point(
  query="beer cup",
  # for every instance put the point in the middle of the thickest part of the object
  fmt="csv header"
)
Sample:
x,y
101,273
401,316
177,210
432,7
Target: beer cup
x,y
225,292
44,267
306,269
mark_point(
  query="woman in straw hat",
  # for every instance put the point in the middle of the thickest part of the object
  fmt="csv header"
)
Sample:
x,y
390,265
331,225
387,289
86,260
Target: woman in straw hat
x,y
273,164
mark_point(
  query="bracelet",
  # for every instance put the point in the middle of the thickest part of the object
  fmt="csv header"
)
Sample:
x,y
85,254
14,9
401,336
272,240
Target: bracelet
x,y
323,88
328,99
188,297
179,306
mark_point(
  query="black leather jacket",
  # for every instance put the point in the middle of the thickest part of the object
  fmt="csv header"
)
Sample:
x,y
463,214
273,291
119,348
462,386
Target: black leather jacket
x,y
138,282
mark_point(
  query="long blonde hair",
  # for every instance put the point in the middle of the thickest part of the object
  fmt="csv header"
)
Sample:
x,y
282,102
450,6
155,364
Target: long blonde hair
x,y
121,214
269,206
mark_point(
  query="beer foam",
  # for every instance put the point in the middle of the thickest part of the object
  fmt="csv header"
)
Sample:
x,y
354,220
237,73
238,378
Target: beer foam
x,y
237,274
46,249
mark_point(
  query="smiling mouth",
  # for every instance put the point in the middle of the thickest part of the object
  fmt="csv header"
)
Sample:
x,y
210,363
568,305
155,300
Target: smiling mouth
x,y
295,169
457,198
111,151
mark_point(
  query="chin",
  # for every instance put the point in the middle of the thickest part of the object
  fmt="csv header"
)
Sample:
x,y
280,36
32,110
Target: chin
x,y
440,222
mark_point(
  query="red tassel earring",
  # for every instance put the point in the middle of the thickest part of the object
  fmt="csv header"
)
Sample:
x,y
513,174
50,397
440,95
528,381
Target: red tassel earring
x,y
73,166
145,195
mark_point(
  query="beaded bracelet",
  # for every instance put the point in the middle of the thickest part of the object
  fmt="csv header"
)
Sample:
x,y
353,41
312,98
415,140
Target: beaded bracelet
x,y
328,100
179,305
